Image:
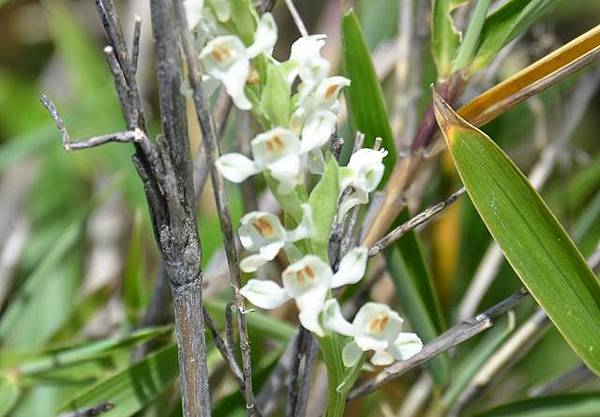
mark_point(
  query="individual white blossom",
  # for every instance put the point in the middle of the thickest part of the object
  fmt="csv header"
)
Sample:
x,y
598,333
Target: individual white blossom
x,y
276,151
375,327
225,58
264,234
306,61
363,173
307,281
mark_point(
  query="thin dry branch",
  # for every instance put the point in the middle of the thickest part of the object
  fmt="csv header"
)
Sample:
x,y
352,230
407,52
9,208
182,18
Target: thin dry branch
x,y
413,223
446,341
222,201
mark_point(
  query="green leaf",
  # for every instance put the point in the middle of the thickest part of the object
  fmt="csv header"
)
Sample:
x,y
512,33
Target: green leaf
x,y
569,405
323,202
533,241
366,104
9,394
505,24
134,273
53,279
275,98
415,291
37,362
469,44
467,367
445,39
132,388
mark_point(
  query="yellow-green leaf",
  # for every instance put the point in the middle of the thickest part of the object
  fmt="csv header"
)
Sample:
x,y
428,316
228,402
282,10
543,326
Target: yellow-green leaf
x,y
533,241
568,405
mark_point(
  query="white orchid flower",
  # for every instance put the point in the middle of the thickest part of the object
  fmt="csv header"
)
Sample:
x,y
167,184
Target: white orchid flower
x,y
226,59
276,151
306,61
263,233
363,173
316,118
375,327
307,281
193,11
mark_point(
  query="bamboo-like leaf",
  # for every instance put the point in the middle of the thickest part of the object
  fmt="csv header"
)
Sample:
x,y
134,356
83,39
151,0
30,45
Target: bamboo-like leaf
x,y
470,42
414,289
505,24
366,105
569,405
129,390
533,241
445,39
533,79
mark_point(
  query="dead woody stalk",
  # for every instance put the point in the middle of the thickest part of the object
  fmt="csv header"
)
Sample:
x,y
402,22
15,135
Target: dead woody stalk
x,y
165,168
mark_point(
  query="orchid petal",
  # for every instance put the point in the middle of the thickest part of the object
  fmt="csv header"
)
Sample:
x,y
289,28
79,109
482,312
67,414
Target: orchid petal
x,y
264,293
286,170
356,197
406,346
236,167
352,267
307,273
318,130
265,37
329,89
270,146
382,358
193,11
351,354
310,305
378,321
367,167
304,229
316,161
334,320
259,229
251,263
370,343
235,83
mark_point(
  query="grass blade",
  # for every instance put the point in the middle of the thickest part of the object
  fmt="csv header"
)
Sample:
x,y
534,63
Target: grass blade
x,y
505,24
533,241
366,105
445,39
129,390
414,289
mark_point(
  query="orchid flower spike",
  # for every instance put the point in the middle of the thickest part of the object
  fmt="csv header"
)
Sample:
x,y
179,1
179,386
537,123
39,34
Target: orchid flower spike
x,y
276,151
375,327
307,281
263,233
363,174
225,58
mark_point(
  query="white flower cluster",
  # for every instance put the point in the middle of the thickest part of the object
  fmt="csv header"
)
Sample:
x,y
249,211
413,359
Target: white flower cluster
x,y
283,153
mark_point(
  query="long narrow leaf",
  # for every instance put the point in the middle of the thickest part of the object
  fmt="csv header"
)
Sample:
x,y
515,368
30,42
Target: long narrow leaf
x,y
130,390
368,113
445,39
505,24
533,241
414,289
